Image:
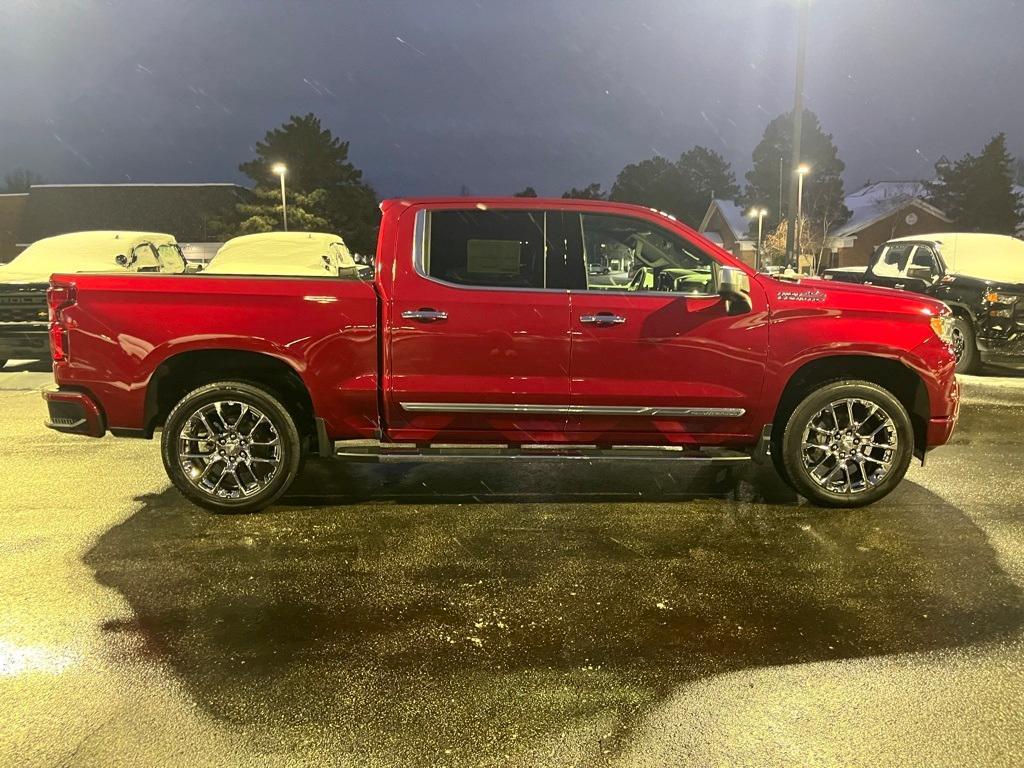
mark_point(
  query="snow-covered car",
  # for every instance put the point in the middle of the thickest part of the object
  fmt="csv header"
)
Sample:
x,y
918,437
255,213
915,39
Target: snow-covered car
x,y
309,254
24,280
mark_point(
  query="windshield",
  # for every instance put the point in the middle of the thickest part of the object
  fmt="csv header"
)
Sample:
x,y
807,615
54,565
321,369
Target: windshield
x,y
171,259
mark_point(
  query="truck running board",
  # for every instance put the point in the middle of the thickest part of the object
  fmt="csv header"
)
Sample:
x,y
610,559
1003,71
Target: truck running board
x,y
374,451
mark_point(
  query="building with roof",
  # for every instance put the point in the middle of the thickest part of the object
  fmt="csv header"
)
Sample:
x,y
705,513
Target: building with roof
x,y
880,211
726,224
186,211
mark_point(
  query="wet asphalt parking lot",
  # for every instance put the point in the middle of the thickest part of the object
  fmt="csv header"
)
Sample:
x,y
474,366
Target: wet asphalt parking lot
x,y
491,613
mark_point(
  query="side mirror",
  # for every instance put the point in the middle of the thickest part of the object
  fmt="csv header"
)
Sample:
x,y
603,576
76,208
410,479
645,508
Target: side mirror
x,y
734,287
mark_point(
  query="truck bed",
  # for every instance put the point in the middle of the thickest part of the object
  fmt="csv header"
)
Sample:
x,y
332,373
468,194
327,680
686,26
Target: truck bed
x,y
128,326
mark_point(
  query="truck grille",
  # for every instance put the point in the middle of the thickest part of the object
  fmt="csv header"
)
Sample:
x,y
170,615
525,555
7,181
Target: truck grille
x,y
23,303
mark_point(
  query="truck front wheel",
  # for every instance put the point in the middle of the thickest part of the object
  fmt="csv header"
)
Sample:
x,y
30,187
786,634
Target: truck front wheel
x,y
965,346
847,444
231,447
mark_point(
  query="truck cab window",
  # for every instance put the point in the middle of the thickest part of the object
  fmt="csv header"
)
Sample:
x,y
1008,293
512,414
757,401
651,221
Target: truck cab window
x,y
893,260
626,254
496,249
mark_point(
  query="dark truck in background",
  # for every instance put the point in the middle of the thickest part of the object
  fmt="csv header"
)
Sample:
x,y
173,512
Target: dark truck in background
x,y
979,276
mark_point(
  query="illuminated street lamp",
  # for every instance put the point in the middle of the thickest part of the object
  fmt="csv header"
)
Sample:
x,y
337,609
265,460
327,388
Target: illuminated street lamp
x,y
801,170
760,213
281,169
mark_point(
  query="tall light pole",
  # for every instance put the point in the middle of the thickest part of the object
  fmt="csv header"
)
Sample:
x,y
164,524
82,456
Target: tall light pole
x,y
798,122
760,213
281,169
801,170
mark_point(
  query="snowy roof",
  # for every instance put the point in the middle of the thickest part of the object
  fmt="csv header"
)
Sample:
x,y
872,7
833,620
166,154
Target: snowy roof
x,y
734,216
878,200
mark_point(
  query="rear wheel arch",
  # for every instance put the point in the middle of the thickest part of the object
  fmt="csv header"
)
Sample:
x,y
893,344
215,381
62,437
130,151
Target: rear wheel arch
x,y
903,382
180,374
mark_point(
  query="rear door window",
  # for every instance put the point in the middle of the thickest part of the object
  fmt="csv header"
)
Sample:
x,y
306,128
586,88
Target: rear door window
x,y
494,249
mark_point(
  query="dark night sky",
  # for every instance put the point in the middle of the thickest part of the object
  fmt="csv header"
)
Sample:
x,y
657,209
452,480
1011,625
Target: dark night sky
x,y
496,94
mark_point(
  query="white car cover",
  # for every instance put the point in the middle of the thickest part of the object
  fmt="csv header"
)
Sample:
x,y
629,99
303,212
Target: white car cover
x,y
999,258
93,252
313,254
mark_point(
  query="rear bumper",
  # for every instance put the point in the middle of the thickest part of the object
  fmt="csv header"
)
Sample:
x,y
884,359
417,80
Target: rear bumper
x,y
74,412
24,341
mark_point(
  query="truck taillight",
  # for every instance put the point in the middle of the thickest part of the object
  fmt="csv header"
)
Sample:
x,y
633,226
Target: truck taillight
x,y
58,298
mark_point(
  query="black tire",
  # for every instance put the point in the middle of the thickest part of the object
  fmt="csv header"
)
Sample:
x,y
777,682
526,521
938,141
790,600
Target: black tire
x,y
965,345
278,428
2,362
873,479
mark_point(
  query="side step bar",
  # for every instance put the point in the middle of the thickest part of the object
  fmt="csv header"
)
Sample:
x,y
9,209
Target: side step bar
x,y
374,451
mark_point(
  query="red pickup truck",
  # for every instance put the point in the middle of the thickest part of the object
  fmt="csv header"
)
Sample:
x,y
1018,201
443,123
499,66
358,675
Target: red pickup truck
x,y
507,327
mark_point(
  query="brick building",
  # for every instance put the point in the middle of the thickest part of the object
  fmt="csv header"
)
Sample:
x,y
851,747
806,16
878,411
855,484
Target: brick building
x,y
880,212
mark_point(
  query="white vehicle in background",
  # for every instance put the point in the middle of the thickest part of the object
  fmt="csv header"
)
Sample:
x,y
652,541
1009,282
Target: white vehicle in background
x,y
315,254
24,280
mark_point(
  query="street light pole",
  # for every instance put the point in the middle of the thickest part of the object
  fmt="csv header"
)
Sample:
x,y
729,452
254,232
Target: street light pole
x,y
798,122
801,170
281,169
760,213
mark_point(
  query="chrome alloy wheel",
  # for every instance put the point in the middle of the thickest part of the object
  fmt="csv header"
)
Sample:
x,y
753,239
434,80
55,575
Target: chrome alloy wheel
x,y
229,450
849,446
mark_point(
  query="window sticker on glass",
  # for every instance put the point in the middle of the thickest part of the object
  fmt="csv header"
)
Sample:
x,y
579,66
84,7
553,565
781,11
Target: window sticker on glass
x,y
493,257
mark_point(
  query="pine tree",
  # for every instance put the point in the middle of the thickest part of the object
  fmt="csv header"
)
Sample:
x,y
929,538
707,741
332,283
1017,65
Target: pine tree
x,y
527,192
317,160
823,186
263,214
977,192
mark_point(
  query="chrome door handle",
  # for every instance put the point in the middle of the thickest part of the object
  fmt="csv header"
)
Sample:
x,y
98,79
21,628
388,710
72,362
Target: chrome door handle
x,y
427,315
603,318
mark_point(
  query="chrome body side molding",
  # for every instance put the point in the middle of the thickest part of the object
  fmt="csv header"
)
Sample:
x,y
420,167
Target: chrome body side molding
x,y
581,410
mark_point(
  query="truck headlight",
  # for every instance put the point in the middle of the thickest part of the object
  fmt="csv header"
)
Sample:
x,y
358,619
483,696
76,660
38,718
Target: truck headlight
x,y
1005,301
943,327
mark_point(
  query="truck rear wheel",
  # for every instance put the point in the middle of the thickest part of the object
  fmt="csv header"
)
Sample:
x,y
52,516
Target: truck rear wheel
x,y
847,444
231,447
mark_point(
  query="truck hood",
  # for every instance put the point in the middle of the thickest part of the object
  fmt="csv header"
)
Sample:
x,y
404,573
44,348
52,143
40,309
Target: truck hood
x,y
825,294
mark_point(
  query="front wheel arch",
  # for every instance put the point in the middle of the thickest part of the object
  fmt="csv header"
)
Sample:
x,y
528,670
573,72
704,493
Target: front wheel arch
x,y
892,375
